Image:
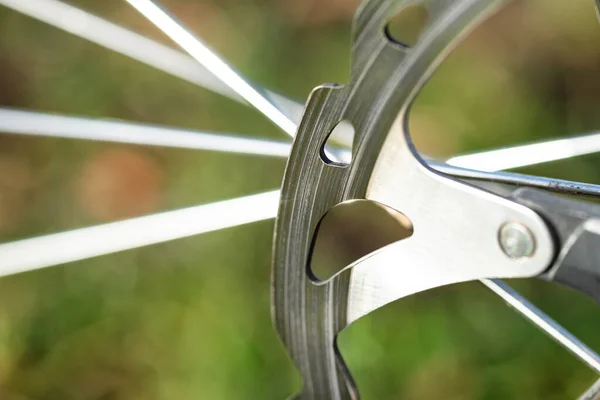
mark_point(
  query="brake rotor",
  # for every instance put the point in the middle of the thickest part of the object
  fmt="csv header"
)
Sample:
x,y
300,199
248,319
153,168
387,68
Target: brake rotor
x,y
455,225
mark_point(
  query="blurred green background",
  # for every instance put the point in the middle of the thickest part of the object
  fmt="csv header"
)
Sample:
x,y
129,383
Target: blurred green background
x,y
190,319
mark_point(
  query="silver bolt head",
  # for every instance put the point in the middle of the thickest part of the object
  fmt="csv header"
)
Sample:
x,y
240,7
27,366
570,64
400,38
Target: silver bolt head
x,y
516,240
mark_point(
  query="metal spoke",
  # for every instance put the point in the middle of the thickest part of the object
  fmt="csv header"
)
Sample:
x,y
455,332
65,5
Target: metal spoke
x,y
94,241
60,248
485,166
138,47
544,323
80,244
593,393
528,154
549,184
209,59
40,252
40,124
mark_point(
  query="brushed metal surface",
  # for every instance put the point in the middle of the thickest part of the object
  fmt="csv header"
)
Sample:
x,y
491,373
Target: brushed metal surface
x,y
455,225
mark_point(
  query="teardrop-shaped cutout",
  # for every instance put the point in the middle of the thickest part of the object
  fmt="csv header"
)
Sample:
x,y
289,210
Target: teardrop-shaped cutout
x,y
352,230
332,151
406,27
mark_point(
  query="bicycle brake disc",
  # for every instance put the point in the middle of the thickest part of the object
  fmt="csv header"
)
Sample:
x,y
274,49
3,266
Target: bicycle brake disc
x,y
456,226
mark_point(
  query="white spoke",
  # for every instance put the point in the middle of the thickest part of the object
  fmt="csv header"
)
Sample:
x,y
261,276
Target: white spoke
x,y
529,154
593,392
209,59
39,124
41,252
90,242
522,156
80,244
544,322
131,44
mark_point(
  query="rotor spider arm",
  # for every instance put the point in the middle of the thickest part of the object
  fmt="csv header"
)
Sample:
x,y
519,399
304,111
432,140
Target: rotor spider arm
x,y
576,225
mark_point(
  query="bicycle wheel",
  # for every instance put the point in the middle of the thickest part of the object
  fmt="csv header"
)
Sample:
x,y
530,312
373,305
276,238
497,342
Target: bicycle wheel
x,y
131,182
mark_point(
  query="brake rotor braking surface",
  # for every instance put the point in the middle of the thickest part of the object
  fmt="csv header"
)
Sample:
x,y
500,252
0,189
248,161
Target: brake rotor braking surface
x,y
456,226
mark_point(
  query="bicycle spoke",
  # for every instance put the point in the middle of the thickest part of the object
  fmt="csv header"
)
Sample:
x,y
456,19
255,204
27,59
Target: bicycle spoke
x,y
593,393
479,167
138,47
40,124
41,252
485,165
544,322
549,184
529,154
80,244
209,59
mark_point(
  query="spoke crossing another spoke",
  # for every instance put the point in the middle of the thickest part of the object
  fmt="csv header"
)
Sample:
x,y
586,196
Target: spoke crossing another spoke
x,y
109,238
51,125
114,37
512,178
212,62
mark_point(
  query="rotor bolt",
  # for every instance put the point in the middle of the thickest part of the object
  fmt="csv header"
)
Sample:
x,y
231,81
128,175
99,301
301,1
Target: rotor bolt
x,y
516,240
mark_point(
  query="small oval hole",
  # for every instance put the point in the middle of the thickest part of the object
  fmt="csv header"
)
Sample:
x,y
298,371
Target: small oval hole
x,y
350,231
335,150
406,27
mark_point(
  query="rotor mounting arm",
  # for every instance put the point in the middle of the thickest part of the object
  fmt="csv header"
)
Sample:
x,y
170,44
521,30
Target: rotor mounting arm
x,y
576,225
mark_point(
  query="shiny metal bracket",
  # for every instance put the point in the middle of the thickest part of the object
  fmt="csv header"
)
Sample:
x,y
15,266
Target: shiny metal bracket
x,y
455,225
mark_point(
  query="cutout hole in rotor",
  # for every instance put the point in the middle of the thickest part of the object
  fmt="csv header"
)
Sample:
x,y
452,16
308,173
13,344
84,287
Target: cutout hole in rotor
x,y
333,151
406,27
352,230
